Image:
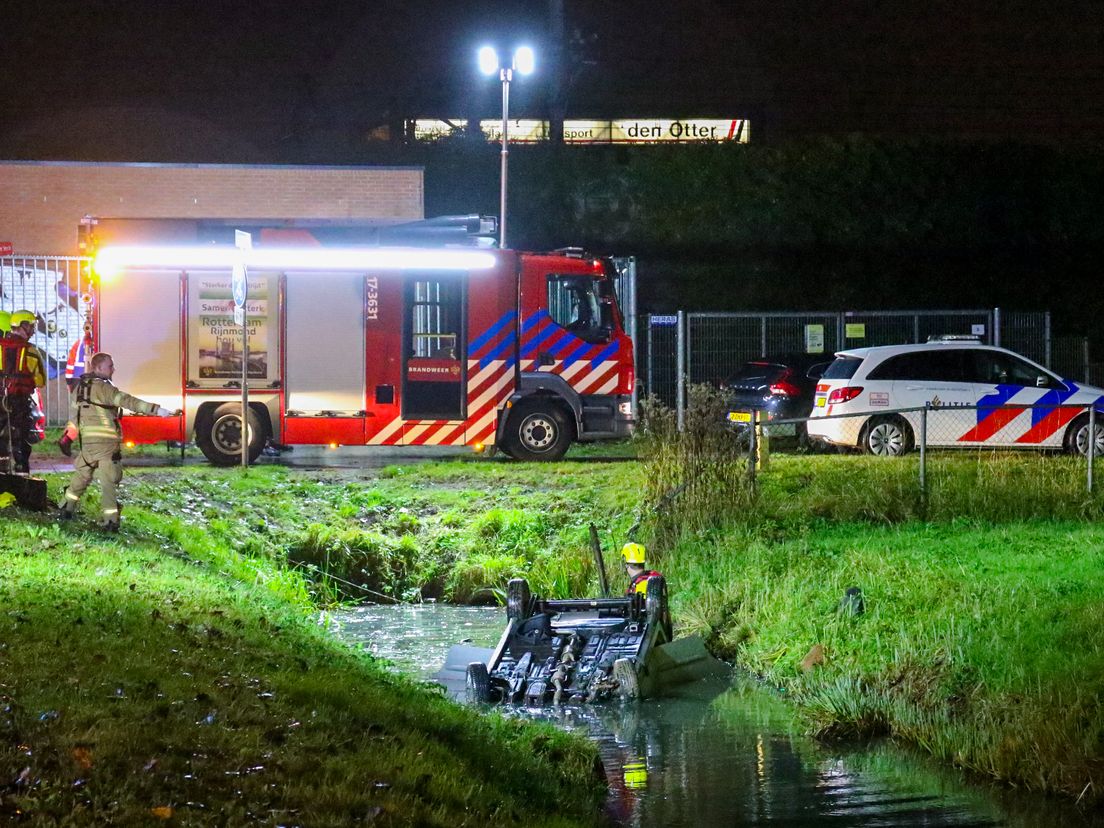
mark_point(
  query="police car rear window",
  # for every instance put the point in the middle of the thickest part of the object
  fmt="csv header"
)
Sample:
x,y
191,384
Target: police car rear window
x,y
842,368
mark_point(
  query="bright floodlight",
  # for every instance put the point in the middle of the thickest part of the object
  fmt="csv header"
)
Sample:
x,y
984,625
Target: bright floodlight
x,y
524,60
488,60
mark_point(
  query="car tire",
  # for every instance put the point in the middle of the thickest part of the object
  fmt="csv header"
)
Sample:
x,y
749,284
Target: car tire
x,y
538,430
656,606
628,683
477,683
218,435
886,436
1076,439
518,599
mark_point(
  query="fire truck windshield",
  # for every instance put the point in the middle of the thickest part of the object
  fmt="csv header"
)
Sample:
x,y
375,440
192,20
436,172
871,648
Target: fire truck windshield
x,y
582,305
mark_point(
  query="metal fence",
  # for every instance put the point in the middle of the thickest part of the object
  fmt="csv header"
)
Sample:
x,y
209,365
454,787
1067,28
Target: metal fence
x,y
898,432
57,289
685,348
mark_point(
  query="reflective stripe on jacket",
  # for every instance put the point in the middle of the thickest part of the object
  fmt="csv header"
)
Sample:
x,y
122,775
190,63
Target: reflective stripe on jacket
x,y
96,408
21,365
640,582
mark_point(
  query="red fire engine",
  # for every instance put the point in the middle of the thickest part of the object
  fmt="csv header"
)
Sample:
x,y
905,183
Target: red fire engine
x,y
367,345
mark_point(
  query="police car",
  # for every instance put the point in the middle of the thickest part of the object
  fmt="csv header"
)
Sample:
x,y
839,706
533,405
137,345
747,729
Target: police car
x,y
978,395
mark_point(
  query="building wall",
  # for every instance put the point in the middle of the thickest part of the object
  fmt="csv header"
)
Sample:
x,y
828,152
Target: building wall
x,y
42,203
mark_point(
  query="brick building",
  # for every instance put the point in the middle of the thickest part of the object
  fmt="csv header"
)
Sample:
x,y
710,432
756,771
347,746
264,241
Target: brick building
x,y
42,203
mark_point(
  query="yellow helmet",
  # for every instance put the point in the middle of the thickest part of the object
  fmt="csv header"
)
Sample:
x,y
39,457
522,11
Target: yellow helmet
x,y
633,553
21,316
5,322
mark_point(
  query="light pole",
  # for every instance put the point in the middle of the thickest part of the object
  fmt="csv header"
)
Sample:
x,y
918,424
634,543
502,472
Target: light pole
x,y
523,61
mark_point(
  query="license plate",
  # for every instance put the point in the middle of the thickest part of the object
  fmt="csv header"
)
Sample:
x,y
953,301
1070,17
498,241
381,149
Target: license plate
x,y
820,401
739,417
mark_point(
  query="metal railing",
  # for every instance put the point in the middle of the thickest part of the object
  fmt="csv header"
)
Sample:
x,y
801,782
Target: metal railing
x,y
57,289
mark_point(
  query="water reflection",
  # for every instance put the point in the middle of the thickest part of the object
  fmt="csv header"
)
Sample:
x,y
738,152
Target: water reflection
x,y
722,753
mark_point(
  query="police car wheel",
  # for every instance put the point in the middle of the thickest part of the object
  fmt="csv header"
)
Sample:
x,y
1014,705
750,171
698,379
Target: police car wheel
x,y
1077,436
538,431
219,433
886,437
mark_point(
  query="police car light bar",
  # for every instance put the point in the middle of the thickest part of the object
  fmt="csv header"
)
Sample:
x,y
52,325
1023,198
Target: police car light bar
x,y
111,259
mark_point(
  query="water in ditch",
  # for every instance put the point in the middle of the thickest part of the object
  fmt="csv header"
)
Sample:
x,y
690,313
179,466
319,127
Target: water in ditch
x,y
723,752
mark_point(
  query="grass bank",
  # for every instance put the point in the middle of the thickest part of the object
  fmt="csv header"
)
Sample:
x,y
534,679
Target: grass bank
x,y
164,675
980,640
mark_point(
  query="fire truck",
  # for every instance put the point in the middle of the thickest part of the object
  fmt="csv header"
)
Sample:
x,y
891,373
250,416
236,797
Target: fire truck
x,y
362,344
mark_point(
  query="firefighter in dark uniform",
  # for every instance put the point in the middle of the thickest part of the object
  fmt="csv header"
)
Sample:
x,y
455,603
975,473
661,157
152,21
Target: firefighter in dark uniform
x,y
94,421
23,370
633,555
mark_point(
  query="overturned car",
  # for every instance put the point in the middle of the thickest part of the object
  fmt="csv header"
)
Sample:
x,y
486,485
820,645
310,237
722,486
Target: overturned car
x,y
581,650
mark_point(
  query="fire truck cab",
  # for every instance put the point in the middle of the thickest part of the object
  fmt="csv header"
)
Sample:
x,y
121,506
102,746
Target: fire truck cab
x,y
367,345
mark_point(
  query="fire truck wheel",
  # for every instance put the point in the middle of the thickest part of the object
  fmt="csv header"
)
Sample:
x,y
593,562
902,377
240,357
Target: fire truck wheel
x,y
517,599
538,430
219,435
477,686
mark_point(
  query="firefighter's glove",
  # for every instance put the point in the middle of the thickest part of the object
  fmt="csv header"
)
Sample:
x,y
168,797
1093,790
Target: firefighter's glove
x,y
162,412
66,445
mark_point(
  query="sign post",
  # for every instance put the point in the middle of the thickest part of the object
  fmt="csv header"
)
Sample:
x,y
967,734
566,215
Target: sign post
x,y
240,287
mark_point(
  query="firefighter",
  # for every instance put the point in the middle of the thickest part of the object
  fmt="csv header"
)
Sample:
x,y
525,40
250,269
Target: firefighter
x,y
23,369
94,421
632,555
5,448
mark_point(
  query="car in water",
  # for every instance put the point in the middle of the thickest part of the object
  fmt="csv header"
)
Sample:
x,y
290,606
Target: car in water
x,y
975,395
780,387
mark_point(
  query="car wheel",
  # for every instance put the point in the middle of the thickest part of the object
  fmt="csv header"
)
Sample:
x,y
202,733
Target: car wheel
x,y
655,604
219,435
886,437
1077,436
477,684
517,599
628,683
538,431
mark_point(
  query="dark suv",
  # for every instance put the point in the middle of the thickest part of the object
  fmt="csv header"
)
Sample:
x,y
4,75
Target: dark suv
x,y
781,387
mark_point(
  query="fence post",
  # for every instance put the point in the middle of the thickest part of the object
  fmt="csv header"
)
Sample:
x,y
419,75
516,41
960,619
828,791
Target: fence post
x,y
753,445
996,326
680,367
1091,454
924,455
651,378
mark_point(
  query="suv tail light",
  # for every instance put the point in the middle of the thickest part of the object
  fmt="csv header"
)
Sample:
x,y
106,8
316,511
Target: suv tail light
x,y
842,395
783,387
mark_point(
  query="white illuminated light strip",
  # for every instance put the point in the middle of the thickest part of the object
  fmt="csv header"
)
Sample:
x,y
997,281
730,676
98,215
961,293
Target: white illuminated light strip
x,y
292,258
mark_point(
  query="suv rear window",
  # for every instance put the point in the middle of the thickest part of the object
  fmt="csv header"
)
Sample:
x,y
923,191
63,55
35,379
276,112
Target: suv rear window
x,y
842,368
765,372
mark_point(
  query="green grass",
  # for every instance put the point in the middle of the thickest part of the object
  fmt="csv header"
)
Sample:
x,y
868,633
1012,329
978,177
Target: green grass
x,y
980,642
138,683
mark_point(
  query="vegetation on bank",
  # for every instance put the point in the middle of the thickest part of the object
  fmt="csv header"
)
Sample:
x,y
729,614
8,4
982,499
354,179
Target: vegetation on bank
x,y
979,638
170,673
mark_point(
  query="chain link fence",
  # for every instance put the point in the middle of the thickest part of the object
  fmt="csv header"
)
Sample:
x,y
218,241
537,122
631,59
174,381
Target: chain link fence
x,y
1042,429
684,348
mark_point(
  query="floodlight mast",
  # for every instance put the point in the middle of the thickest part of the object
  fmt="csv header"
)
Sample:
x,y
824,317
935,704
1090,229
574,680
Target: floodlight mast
x,y
523,61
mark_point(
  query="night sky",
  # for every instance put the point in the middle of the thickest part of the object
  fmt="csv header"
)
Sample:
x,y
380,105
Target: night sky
x,y
271,80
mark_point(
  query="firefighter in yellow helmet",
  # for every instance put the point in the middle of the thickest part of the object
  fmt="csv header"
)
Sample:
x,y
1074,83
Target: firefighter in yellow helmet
x,y
22,371
5,342
633,556
94,421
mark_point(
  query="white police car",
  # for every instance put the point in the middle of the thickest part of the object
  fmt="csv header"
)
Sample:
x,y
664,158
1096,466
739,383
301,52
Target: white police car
x,y
978,395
